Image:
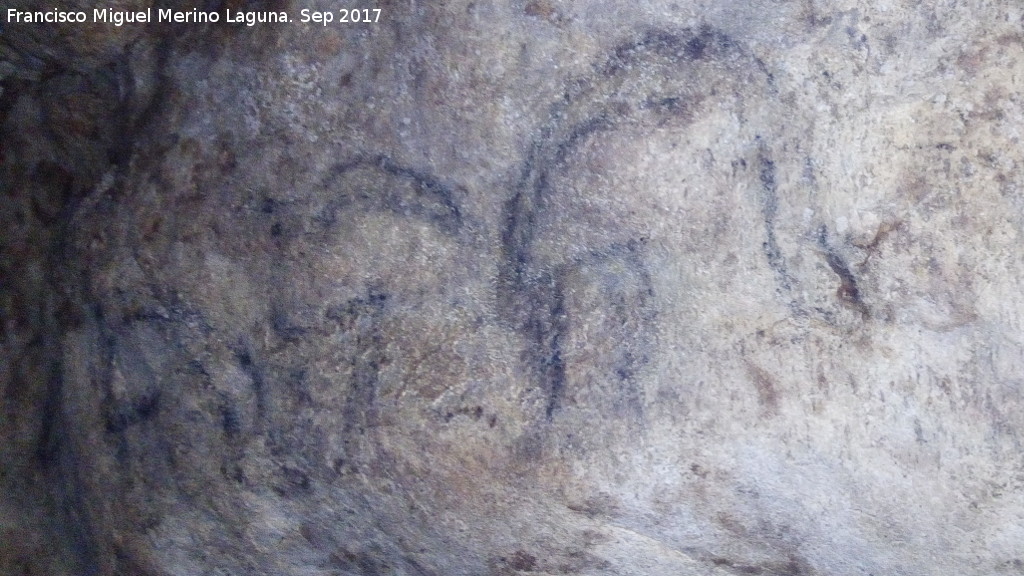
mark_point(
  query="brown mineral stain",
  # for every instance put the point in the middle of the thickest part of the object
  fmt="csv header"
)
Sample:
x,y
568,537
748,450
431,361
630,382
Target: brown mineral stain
x,y
542,9
767,395
883,231
523,561
539,8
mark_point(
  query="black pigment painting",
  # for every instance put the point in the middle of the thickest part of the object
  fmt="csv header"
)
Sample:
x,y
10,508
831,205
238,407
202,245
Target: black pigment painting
x,y
520,287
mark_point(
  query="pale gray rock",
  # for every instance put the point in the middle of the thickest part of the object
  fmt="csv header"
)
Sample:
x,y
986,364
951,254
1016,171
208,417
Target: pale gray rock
x,y
529,288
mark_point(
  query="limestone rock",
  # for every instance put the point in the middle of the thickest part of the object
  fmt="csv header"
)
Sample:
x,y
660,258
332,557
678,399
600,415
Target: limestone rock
x,y
536,288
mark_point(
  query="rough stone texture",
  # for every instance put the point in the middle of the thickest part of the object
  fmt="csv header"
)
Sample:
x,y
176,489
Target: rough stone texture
x,y
518,288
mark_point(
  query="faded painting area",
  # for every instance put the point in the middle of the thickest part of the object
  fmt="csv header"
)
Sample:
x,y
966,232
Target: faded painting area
x,y
516,288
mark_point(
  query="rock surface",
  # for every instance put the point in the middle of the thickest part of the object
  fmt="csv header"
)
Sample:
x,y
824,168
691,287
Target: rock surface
x,y
518,288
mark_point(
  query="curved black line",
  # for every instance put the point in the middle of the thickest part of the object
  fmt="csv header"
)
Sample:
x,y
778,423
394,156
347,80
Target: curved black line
x,y
769,209
446,214
627,362
589,106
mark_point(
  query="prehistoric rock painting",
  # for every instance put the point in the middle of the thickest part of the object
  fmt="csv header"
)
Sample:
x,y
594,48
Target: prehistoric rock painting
x,y
523,289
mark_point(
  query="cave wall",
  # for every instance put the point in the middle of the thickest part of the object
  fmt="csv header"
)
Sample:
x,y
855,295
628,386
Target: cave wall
x,y
507,288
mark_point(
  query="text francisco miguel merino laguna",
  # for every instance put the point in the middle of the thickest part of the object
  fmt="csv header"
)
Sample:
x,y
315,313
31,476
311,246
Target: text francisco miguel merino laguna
x,y
120,17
